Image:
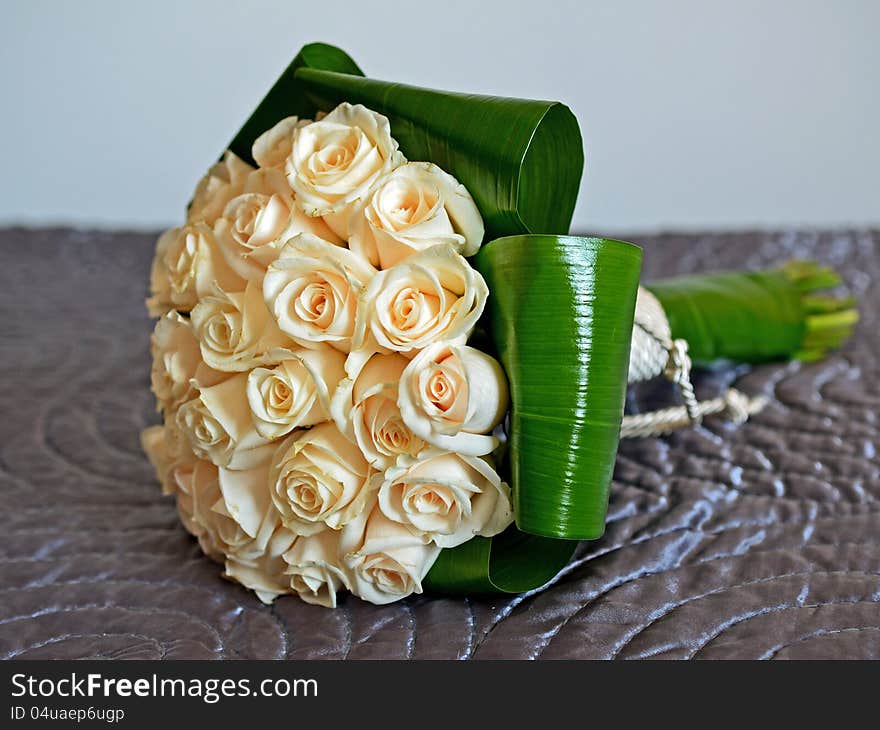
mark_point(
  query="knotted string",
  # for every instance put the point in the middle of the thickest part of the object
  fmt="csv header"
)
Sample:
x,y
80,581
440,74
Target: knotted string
x,y
654,352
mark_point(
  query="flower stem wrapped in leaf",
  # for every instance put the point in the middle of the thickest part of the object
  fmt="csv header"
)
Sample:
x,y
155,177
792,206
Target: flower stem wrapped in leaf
x,y
758,316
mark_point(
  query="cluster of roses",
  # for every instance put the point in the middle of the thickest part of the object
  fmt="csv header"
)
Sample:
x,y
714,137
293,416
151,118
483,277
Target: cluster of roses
x,y
325,424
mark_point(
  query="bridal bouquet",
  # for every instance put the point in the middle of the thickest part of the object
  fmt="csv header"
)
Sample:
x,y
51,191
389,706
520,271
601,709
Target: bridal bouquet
x,y
326,424
350,380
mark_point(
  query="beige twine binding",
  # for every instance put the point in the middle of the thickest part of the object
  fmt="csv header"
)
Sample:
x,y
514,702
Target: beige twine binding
x,y
654,352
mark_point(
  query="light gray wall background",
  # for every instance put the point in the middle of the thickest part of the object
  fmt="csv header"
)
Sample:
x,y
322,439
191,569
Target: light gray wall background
x,y
695,113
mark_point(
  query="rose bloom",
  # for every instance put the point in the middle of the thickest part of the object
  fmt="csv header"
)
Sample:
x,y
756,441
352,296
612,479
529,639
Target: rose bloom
x,y
272,148
447,499
265,573
228,511
181,478
156,448
318,480
432,295
450,395
168,450
365,409
414,207
312,291
176,357
315,568
219,426
236,331
296,392
223,181
197,489
334,162
384,561
187,265
255,224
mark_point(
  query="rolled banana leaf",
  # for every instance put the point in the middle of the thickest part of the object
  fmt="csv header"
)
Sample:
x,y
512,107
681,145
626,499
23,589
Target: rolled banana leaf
x,y
758,316
521,160
512,562
561,317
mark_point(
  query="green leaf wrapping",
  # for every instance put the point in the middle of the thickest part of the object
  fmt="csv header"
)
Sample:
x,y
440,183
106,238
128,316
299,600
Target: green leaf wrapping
x,y
757,316
521,160
561,317
512,562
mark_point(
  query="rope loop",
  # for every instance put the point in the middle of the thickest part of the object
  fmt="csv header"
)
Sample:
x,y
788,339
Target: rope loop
x,y
654,353
678,370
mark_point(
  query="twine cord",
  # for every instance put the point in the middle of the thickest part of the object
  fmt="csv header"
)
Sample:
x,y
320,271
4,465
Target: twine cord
x,y
655,353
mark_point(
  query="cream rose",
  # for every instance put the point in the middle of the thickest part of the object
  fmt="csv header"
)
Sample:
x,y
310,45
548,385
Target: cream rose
x,y
334,162
228,511
219,426
255,224
236,331
295,393
319,480
383,560
315,568
272,148
365,409
414,207
168,450
188,264
223,181
206,376
433,295
447,499
176,357
451,395
265,573
181,479
153,444
196,486
312,291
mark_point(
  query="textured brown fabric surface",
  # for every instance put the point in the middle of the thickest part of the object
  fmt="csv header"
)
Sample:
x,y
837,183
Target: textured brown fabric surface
x,y
762,541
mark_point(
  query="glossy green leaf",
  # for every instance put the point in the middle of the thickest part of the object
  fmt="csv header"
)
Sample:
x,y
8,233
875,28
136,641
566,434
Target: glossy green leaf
x,y
561,316
757,316
287,96
522,160
512,562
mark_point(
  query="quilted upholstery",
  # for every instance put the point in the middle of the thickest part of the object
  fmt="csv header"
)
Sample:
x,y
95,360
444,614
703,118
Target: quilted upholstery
x,y
762,541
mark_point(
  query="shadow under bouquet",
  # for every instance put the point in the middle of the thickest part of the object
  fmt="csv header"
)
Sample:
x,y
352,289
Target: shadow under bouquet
x,y
382,364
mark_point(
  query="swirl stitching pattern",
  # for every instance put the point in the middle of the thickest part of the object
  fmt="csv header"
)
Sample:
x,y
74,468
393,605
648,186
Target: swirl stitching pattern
x,y
754,542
